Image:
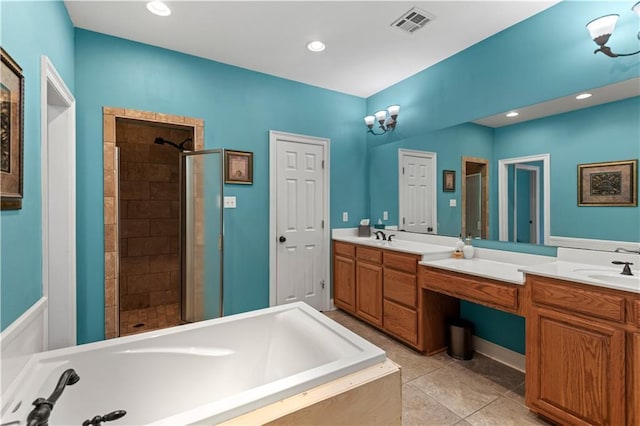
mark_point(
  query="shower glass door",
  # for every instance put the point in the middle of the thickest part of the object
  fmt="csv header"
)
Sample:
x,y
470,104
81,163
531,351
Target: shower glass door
x,y
201,234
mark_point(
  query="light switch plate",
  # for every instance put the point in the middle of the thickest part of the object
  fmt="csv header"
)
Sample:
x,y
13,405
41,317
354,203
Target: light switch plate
x,y
453,202
345,216
385,215
230,202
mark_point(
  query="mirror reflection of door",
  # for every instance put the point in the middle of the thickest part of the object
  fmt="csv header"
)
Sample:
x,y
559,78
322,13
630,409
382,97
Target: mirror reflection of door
x,y
475,197
524,196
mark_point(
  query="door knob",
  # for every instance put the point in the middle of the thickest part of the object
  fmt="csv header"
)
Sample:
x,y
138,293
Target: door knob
x,y
282,239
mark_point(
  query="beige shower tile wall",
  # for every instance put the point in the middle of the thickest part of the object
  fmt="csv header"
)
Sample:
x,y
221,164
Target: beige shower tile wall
x,y
149,215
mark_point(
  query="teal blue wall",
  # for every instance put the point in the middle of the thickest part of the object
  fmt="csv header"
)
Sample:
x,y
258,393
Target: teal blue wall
x,y
547,56
29,30
239,108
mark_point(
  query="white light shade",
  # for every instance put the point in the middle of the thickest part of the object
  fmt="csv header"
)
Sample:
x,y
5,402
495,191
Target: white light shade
x,y
583,96
636,8
512,114
381,115
158,8
369,120
316,46
603,25
393,110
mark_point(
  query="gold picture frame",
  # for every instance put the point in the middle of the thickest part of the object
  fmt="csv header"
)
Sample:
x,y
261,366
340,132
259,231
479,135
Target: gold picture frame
x,y
238,167
449,180
11,133
608,184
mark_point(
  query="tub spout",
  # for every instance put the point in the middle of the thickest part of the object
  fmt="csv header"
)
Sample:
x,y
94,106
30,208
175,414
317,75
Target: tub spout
x,y
39,416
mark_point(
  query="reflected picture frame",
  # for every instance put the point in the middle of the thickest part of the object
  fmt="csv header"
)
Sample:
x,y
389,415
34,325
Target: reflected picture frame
x,y
11,133
612,183
448,180
238,167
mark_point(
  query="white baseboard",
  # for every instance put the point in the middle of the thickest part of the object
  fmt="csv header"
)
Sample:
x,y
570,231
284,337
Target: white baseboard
x,y
24,337
499,353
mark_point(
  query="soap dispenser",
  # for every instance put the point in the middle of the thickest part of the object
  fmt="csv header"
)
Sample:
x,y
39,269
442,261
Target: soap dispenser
x,y
459,247
468,250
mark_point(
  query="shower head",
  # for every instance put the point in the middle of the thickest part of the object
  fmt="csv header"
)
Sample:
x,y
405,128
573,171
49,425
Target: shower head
x,y
179,147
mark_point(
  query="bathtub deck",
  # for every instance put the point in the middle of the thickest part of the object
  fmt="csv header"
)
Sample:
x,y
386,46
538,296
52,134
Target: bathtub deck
x,y
372,396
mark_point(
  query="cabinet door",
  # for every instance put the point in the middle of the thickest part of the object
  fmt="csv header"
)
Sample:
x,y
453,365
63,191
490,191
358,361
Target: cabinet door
x,y
369,292
576,369
634,386
344,283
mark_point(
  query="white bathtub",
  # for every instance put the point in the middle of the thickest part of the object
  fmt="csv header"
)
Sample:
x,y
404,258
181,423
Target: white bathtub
x,y
206,372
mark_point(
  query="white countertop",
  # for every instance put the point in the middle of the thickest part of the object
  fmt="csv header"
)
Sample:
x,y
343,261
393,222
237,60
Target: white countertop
x,y
426,250
588,273
502,271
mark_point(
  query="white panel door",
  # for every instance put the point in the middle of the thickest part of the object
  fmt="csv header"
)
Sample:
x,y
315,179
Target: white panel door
x,y
299,224
417,202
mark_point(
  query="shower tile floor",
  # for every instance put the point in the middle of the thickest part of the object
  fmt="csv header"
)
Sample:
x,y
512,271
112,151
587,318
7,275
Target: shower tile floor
x,y
147,319
440,391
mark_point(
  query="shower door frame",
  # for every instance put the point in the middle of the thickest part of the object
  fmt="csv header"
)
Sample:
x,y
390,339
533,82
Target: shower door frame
x,y
111,199
183,225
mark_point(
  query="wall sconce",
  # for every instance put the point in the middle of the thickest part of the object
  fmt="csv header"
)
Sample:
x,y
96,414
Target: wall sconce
x,y
601,29
385,122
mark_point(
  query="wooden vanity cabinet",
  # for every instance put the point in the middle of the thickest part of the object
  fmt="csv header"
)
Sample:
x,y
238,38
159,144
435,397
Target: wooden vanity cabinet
x,y
579,340
344,276
369,284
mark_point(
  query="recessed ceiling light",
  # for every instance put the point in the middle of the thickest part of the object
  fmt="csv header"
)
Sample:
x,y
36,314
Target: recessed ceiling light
x,y
316,46
158,8
583,96
512,114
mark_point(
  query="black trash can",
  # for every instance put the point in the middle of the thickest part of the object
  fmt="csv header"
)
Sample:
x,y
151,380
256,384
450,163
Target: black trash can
x,y
460,343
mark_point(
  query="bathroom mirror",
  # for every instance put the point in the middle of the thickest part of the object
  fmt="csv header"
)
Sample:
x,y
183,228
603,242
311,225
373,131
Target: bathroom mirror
x,y
543,197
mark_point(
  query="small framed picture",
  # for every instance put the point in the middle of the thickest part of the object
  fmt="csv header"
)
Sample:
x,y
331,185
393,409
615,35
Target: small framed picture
x,y
11,132
449,180
238,167
608,184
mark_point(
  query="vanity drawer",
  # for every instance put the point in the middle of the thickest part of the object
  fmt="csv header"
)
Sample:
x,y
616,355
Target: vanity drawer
x,y
369,254
586,301
474,289
401,262
400,287
344,249
400,321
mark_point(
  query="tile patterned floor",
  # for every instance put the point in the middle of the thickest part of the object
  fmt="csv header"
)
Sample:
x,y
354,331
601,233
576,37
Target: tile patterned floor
x,y
443,391
147,319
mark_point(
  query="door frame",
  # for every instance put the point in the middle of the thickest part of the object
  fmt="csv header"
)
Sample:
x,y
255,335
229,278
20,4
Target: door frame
x,y
483,164
503,204
434,193
534,184
54,91
274,137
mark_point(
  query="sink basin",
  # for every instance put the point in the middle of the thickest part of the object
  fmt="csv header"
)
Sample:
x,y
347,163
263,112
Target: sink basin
x,y
619,279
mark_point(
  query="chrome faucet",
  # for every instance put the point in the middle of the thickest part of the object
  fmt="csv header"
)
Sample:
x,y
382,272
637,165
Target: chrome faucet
x,y
377,234
621,250
39,416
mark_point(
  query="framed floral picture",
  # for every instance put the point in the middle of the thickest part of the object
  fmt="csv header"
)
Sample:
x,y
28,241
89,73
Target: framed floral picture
x,y
608,184
238,167
11,133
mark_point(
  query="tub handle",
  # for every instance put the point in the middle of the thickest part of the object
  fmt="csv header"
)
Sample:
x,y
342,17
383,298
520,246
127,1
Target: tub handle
x,y
98,420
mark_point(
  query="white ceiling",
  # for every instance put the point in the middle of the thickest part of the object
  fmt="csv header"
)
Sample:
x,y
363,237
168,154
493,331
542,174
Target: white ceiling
x,y
364,53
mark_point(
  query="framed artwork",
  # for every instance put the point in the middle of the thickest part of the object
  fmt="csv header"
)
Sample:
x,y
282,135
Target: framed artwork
x,y
238,167
449,180
11,133
608,184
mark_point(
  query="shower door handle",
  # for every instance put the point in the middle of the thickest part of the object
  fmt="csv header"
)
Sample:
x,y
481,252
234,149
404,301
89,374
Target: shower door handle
x,y
282,238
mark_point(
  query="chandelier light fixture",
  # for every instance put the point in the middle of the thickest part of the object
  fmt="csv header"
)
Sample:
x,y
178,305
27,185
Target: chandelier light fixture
x,y
601,29
387,120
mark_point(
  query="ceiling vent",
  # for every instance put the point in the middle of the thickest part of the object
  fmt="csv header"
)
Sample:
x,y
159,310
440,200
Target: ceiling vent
x,y
413,20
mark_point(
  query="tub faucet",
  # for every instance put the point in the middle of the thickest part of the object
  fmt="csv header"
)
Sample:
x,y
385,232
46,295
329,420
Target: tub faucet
x,y
98,420
377,234
39,416
621,249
